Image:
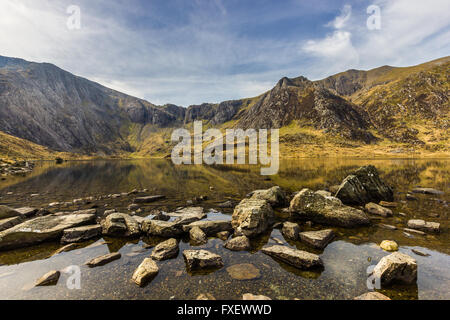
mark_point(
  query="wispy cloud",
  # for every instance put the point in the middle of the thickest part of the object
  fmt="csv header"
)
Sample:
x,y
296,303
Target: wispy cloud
x,y
189,52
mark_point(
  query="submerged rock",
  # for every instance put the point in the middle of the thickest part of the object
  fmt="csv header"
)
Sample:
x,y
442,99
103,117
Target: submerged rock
x,y
290,230
378,210
396,267
364,186
388,204
428,191
245,271
224,235
102,260
252,217
308,205
120,225
318,239
146,271
297,258
372,296
424,225
49,279
80,234
275,196
166,250
41,229
241,243
149,199
202,259
66,248
389,245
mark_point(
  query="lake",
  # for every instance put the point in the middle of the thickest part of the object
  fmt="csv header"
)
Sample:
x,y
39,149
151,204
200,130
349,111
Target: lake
x,y
346,259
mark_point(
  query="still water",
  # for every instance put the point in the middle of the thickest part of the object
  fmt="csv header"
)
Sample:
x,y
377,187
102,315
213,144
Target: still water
x,y
346,259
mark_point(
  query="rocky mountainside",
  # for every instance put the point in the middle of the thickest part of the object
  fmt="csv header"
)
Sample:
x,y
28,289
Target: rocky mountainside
x,y
51,107
48,106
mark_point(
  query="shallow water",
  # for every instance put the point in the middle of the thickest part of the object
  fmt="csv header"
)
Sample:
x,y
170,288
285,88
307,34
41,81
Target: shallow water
x,y
346,259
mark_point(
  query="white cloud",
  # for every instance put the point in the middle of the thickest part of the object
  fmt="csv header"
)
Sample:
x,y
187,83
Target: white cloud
x,y
340,21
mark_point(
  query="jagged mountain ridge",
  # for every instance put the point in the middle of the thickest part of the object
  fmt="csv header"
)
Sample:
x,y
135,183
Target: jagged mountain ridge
x,y
51,107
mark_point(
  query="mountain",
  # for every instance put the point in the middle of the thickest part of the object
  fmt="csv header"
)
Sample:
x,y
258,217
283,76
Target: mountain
x,y
387,107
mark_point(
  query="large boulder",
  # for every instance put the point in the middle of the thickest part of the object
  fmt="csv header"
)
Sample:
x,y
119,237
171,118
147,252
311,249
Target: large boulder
x,y
210,228
80,234
275,196
310,206
396,267
364,186
297,258
166,250
120,225
41,229
252,217
202,259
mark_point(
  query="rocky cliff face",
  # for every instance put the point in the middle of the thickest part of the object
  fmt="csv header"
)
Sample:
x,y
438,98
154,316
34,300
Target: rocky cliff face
x,y
301,99
49,106
53,108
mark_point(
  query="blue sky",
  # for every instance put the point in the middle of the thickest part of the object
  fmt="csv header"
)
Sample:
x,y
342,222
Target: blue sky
x,y
192,51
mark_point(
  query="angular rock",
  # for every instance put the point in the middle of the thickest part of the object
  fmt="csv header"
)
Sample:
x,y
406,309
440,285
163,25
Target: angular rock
x,y
388,204
396,267
102,260
378,210
274,196
210,228
81,234
428,191
166,250
66,248
7,212
49,279
149,199
27,211
372,296
202,259
249,296
389,245
252,217
146,271
10,222
120,225
297,258
411,197
226,204
41,229
318,239
164,229
423,225
421,233
364,186
324,193
241,243
224,235
197,235
245,271
290,230
308,205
